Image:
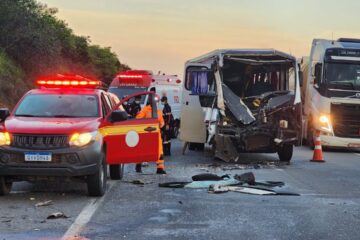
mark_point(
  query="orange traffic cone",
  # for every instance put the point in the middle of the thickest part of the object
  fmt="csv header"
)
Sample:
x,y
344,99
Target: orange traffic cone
x,y
318,155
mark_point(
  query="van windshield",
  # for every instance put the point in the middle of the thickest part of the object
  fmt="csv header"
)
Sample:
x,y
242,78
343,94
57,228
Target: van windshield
x,y
122,92
343,76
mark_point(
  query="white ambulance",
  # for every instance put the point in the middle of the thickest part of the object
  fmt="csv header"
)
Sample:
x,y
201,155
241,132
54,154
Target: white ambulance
x,y
134,81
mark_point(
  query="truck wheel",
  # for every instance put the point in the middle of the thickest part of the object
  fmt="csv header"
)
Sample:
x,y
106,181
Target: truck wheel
x,y
285,152
116,171
96,183
5,186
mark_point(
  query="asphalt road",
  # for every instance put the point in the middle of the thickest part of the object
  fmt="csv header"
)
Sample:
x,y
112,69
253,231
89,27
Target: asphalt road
x,y
328,208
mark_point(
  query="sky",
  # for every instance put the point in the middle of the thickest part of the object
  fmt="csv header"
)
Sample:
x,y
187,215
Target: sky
x,y
161,35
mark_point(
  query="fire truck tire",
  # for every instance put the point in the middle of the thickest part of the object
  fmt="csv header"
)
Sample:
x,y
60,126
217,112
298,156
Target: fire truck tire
x,y
96,183
285,152
5,186
116,171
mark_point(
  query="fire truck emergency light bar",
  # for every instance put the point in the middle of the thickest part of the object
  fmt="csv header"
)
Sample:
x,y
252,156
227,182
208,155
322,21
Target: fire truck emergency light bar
x,y
67,81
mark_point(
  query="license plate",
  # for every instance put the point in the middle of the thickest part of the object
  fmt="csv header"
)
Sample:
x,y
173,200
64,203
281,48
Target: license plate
x,y
38,157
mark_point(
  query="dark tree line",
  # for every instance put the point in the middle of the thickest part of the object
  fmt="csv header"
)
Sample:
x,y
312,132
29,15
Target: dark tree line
x,y
38,43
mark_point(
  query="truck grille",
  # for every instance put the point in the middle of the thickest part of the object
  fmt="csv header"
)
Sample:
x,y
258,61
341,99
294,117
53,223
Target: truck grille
x,y
346,120
39,141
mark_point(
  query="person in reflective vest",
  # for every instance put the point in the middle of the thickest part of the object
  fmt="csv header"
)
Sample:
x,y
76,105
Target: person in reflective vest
x,y
166,130
146,112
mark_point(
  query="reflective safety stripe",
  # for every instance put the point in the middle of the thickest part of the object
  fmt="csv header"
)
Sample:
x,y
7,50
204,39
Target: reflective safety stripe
x,y
118,130
318,147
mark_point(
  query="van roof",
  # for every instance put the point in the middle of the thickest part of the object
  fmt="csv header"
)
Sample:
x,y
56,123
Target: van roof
x,y
240,52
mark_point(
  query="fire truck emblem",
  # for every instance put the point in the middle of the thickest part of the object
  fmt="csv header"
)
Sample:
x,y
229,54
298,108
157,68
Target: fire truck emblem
x,y
132,139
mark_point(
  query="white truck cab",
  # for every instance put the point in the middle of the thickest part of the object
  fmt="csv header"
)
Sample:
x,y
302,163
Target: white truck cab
x,y
331,92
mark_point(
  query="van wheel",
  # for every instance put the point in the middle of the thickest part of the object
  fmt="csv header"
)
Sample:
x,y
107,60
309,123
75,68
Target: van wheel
x,y
5,186
96,183
285,152
116,171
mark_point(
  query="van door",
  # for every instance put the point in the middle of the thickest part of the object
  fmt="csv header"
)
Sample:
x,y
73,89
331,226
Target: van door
x,y
192,124
132,140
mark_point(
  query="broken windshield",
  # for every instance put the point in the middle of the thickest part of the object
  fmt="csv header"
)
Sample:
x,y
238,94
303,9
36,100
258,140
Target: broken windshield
x,y
249,79
343,76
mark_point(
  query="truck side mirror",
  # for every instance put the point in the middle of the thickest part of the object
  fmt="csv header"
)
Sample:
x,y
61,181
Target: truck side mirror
x,y
118,116
318,73
4,113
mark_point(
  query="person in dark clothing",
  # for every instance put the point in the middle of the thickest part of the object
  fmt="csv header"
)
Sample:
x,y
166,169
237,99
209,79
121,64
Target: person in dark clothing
x,y
166,130
135,107
126,106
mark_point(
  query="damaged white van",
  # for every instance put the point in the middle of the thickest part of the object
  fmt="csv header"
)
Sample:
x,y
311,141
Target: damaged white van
x,y
242,100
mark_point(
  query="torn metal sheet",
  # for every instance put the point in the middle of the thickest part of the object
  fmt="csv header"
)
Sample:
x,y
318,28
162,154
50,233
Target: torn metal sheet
x,y
249,190
219,91
279,101
237,107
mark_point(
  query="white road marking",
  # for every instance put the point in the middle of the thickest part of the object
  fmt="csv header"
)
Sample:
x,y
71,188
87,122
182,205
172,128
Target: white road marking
x,y
358,154
85,216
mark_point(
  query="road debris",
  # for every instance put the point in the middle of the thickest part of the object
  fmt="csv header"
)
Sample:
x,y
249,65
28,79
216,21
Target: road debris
x,y
242,183
57,215
215,188
44,203
138,182
209,177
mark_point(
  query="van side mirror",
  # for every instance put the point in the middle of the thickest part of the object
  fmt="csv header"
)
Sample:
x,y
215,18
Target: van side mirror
x,y
301,78
118,116
4,113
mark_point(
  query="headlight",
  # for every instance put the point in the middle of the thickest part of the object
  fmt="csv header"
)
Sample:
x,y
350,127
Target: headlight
x,y
4,139
82,139
325,123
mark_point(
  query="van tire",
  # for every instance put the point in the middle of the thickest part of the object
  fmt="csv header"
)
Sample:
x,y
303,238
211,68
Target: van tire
x,y
285,152
116,171
5,186
96,183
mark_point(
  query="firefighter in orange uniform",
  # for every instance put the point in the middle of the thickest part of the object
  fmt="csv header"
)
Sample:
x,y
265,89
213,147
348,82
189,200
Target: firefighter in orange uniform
x,y
146,112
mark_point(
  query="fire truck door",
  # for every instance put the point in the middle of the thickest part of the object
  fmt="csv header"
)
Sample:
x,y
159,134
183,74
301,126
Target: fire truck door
x,y
132,140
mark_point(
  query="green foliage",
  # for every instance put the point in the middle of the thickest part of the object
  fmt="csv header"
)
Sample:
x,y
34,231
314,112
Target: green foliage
x,y
40,43
105,63
12,81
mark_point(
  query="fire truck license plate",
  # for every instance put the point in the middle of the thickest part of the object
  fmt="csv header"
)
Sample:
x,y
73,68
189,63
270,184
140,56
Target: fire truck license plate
x,y
38,157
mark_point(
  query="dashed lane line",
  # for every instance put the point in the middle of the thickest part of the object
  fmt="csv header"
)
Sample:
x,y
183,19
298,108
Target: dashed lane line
x,y
85,216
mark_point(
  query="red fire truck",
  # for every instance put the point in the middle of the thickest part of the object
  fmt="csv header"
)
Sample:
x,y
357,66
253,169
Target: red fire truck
x,y
70,128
